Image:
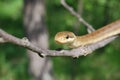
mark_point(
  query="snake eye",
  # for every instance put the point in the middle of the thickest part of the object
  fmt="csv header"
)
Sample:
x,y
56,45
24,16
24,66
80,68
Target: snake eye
x,y
67,36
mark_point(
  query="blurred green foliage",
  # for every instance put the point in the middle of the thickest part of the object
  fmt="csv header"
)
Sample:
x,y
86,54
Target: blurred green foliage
x,y
103,64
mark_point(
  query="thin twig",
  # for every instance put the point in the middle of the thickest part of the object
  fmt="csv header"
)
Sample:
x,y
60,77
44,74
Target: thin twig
x,y
45,52
25,43
71,10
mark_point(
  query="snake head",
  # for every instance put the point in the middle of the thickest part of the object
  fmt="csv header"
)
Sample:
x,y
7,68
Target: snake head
x,y
65,37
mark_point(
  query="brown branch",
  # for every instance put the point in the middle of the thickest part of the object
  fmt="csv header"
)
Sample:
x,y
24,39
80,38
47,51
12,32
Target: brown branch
x,y
21,42
5,37
80,19
45,52
2,40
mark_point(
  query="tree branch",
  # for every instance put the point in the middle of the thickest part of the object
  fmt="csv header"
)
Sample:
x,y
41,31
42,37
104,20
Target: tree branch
x,y
2,40
80,19
45,52
83,50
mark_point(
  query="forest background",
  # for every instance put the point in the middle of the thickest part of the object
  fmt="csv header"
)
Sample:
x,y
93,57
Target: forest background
x,y
103,64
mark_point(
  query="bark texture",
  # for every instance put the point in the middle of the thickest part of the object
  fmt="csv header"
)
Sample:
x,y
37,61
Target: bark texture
x,y
36,32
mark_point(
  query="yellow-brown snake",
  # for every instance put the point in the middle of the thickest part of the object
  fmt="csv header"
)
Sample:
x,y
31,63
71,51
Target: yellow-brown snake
x,y
74,41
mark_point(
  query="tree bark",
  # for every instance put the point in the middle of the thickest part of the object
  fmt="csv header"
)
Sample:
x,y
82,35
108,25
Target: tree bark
x,y
36,32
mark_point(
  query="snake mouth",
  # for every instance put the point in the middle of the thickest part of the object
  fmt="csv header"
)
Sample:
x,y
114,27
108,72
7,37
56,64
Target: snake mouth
x,y
59,42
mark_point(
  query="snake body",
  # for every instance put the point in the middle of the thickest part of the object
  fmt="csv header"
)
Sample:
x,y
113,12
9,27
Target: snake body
x,y
74,41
